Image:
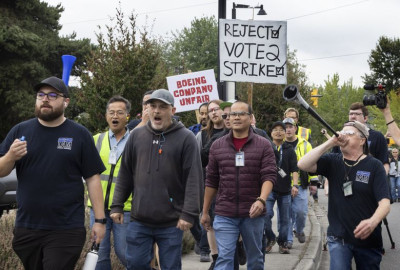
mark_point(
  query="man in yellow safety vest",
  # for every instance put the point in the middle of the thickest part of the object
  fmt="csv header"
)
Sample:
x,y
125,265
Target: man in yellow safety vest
x,y
110,145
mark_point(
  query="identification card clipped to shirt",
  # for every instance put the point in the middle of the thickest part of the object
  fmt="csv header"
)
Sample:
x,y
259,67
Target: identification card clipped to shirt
x,y
281,172
112,158
347,188
239,159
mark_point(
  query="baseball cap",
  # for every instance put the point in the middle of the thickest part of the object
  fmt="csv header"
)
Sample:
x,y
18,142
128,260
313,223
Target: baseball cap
x,y
359,126
54,82
278,123
289,121
162,95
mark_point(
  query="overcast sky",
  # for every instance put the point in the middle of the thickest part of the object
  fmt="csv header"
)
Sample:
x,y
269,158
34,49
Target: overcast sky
x,y
330,36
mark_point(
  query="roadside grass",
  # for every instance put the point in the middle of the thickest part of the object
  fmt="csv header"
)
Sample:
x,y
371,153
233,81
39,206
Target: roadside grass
x,y
10,261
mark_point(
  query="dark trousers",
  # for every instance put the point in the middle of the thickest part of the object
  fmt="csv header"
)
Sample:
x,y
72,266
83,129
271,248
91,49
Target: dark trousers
x,y
48,250
200,235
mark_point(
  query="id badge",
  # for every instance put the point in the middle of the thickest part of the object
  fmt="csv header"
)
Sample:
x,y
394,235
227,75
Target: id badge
x,y
239,159
281,172
347,188
112,158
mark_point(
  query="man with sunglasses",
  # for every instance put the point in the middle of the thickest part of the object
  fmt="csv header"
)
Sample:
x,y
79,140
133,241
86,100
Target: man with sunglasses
x,y
51,154
358,197
241,173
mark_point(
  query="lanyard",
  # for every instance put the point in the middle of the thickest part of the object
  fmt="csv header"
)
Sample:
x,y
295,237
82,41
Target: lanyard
x,y
280,156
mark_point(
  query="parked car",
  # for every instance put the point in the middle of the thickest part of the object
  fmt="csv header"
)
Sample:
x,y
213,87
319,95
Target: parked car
x,y
8,192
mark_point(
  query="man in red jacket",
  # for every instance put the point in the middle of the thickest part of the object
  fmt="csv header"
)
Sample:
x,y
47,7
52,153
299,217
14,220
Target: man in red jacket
x,y
241,172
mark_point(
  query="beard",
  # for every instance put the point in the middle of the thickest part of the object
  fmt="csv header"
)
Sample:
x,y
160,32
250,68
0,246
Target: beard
x,y
48,116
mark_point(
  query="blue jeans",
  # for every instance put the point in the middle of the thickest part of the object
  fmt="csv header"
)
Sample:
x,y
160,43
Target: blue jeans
x,y
119,234
140,239
341,254
227,232
394,183
284,202
298,213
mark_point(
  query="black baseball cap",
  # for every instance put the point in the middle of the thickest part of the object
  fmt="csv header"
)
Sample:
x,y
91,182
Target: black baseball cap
x,y
278,123
54,82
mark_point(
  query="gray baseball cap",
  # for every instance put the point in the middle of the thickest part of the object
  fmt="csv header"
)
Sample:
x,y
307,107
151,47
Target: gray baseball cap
x,y
54,82
289,121
162,95
360,126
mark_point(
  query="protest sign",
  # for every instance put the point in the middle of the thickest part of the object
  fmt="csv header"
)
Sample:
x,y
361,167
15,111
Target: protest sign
x,y
192,89
253,51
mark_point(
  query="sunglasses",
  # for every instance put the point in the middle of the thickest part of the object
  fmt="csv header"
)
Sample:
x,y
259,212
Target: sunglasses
x,y
225,116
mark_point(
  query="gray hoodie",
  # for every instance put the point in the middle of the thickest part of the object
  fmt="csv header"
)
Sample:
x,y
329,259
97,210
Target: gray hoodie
x,y
164,173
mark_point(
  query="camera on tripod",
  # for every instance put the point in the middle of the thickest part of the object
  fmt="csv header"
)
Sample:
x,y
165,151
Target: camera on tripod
x,y
379,99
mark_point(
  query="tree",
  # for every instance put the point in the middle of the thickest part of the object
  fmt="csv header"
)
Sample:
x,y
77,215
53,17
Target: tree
x,y
194,48
384,63
30,50
268,103
334,105
126,62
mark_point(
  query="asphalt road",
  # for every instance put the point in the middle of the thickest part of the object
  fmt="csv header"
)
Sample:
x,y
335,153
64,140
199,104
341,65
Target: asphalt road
x,y
390,260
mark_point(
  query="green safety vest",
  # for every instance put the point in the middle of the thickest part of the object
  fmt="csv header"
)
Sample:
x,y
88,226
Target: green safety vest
x,y
103,147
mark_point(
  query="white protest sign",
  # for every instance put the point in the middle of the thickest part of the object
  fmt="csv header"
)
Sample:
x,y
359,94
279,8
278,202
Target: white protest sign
x,y
253,51
192,89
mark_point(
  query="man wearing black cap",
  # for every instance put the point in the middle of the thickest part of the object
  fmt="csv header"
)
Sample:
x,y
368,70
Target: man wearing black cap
x,y
282,190
51,154
358,197
300,202
161,168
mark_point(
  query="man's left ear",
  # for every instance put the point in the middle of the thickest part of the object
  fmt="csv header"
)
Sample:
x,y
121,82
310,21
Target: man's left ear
x,y
127,117
66,102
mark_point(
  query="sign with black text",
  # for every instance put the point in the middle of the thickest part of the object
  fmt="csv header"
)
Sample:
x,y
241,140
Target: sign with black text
x,y
192,89
253,51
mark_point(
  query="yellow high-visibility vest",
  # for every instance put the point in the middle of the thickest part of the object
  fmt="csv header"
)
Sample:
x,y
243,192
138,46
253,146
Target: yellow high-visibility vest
x,y
103,146
304,133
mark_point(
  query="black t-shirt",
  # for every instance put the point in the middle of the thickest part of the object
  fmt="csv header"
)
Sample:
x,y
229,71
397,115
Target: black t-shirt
x,y
293,144
369,186
50,192
377,146
288,162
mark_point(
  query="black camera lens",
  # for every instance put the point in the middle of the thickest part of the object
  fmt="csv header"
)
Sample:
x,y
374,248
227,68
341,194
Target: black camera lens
x,y
369,100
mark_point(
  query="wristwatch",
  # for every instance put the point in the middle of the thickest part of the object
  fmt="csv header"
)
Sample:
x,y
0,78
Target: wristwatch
x,y
100,220
296,186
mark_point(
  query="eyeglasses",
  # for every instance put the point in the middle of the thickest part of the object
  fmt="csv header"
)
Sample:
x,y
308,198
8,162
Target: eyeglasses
x,y
50,96
355,113
348,132
119,113
240,114
214,110
225,116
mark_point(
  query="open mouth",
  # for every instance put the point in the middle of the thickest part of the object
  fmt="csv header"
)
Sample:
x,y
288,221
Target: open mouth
x,y
115,122
157,119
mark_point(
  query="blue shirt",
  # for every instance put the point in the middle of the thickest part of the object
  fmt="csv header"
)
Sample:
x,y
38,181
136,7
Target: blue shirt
x,y
119,146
